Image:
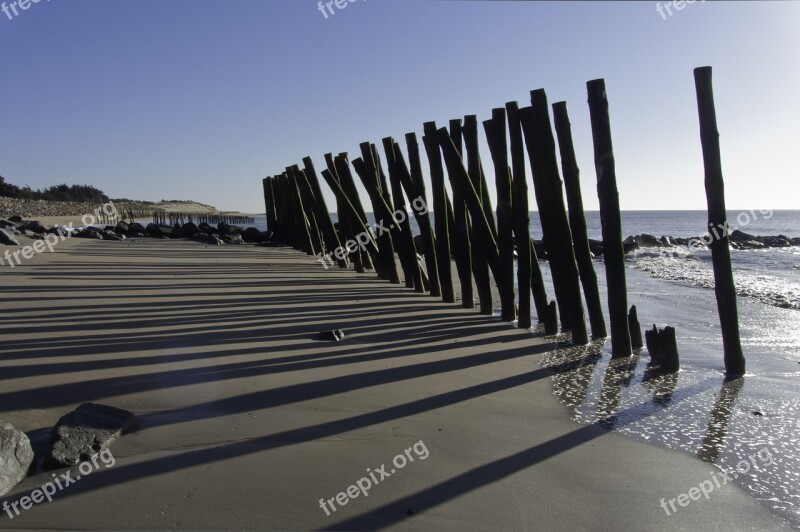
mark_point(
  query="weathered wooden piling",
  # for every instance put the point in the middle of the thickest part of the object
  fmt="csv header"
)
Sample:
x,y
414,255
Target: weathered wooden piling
x,y
323,214
577,219
308,201
557,236
442,211
459,233
400,210
529,275
635,328
414,183
370,178
663,349
613,251
724,287
351,223
498,145
472,161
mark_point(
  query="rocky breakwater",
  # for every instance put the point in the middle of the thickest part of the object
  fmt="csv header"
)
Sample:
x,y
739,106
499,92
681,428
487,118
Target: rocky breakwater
x,y
40,208
204,233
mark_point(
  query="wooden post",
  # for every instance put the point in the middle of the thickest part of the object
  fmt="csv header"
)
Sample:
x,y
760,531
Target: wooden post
x,y
557,236
480,268
724,288
411,177
496,137
613,252
323,214
309,206
521,215
635,328
406,238
663,349
577,220
441,206
460,232
369,177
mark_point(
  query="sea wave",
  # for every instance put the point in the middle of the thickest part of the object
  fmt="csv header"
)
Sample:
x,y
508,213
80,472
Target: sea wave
x,y
766,275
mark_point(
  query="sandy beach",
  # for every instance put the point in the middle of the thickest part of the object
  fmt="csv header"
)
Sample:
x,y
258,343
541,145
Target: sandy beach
x,y
248,420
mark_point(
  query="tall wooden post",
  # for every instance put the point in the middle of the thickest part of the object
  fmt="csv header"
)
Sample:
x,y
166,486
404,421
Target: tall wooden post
x,y
496,137
613,252
717,217
442,211
460,236
414,184
558,237
577,219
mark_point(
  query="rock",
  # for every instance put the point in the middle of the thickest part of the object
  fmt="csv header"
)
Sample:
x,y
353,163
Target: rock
x,y
627,247
203,238
7,238
34,226
738,236
111,235
87,431
136,227
16,219
779,241
233,239
253,235
336,335
646,241
596,247
225,229
189,229
207,229
122,228
16,457
162,231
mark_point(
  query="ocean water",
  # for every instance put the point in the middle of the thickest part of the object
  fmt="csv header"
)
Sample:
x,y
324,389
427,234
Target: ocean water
x,y
750,427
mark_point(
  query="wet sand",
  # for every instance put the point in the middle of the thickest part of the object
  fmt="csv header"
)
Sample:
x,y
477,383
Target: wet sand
x,y
247,420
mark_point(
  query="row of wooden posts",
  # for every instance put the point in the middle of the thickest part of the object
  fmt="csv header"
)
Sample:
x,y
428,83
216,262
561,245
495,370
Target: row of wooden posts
x,y
172,218
465,226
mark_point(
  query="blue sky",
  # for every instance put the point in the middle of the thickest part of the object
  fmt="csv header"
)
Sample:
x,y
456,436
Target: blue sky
x,y
200,99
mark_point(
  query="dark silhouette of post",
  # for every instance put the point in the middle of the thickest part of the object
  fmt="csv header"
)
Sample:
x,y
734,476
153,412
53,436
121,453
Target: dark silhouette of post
x,y
717,217
613,252
577,219
442,210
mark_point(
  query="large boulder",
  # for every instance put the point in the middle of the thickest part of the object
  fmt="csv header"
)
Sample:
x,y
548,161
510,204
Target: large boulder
x,y
162,231
253,235
225,229
207,229
122,228
34,227
16,457
647,241
189,229
86,432
16,219
7,238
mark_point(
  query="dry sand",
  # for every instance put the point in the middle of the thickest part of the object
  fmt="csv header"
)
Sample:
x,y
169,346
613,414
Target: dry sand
x,y
247,420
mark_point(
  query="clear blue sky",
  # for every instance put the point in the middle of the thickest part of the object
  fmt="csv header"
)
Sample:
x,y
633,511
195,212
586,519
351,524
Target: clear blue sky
x,y
200,99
